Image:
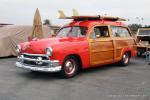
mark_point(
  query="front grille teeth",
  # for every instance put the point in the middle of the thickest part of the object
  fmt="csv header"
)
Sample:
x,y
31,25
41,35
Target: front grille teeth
x,y
35,57
34,63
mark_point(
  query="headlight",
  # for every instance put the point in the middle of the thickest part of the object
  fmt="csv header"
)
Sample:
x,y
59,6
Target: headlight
x,y
18,49
48,51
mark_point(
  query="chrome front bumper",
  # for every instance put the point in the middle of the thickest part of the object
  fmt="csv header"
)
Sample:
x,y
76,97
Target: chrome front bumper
x,y
49,65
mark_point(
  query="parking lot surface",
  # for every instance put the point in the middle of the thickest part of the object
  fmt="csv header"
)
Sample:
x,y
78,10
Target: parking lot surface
x,y
109,82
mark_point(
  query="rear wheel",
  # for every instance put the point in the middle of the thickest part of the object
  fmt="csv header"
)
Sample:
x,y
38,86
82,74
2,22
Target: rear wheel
x,y
70,67
125,59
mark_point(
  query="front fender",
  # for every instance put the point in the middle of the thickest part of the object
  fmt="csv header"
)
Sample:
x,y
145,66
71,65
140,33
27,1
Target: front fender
x,y
79,48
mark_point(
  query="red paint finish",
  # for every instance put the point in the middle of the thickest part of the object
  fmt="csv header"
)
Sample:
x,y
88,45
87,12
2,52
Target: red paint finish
x,y
62,47
65,46
133,52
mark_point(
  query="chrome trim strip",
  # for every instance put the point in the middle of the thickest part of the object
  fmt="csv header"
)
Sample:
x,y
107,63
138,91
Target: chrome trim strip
x,y
42,55
29,59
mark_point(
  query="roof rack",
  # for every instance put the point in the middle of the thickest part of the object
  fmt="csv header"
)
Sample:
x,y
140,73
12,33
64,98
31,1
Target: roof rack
x,y
77,17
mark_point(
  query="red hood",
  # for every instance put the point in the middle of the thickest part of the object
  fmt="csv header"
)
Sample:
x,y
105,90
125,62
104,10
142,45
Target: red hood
x,y
56,43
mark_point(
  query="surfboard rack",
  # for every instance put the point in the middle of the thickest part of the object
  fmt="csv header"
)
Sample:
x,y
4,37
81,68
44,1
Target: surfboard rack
x,y
78,17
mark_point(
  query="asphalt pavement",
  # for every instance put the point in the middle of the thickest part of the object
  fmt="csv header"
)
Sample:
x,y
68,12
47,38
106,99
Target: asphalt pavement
x,y
110,82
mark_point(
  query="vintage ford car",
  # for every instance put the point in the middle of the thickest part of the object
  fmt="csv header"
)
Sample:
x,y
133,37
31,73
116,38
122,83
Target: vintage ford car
x,y
86,42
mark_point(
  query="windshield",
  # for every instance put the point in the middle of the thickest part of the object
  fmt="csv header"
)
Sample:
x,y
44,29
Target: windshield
x,y
72,32
144,32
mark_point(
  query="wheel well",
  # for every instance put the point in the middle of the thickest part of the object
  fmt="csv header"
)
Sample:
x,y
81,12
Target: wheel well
x,y
79,59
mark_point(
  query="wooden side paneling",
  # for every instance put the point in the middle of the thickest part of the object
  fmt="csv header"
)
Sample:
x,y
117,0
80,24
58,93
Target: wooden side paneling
x,y
102,51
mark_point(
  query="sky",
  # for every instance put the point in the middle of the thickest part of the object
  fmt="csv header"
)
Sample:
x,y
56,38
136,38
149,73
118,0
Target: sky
x,y
21,12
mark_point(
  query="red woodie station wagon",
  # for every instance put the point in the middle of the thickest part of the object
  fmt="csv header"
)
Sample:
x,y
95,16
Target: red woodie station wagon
x,y
88,41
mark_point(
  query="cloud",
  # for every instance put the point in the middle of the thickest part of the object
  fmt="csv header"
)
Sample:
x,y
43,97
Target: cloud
x,y
22,11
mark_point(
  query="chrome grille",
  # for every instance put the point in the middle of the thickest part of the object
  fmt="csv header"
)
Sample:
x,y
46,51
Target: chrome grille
x,y
34,63
35,57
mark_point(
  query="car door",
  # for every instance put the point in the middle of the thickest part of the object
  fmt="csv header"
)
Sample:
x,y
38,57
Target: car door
x,y
101,46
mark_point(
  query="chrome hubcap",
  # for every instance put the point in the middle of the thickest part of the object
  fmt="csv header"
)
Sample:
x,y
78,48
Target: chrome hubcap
x,y
125,58
70,66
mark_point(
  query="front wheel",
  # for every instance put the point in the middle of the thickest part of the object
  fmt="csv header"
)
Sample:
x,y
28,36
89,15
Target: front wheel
x,y
125,59
70,67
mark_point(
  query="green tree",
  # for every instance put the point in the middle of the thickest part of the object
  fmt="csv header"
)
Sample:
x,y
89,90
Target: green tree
x,y
134,27
146,26
47,22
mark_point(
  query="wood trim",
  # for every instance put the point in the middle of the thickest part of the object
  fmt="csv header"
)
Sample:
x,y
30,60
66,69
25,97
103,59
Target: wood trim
x,y
114,44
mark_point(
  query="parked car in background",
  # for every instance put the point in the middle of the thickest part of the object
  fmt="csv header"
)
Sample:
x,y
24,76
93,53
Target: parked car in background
x,y
143,41
86,42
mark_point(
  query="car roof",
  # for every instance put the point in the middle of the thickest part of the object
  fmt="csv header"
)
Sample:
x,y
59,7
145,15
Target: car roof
x,y
91,23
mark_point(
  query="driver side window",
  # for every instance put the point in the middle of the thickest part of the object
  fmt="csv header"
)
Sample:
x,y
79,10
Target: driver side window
x,y
99,31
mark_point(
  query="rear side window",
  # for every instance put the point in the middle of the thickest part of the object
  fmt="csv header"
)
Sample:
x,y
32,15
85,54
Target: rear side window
x,y
120,32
